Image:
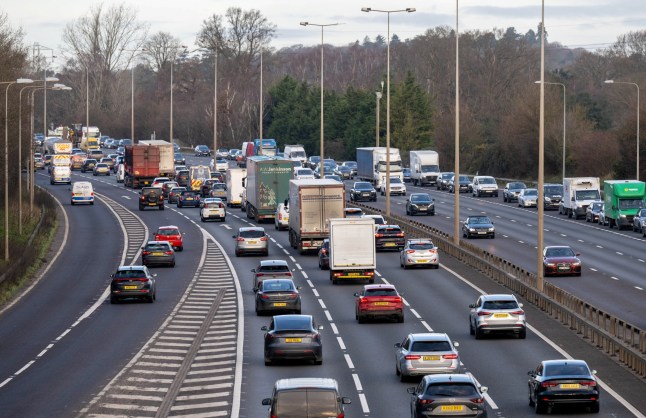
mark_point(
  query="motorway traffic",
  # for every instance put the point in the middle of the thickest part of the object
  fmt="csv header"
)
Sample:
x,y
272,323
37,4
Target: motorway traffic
x,y
198,350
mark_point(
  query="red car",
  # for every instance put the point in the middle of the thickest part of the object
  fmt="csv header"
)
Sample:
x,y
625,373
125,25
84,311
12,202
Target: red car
x,y
379,300
561,260
172,234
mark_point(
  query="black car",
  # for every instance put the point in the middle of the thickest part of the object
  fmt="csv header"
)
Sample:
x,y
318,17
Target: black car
x,y
324,255
343,172
179,158
132,282
151,197
389,237
88,165
156,253
182,178
362,190
294,337
478,226
420,203
553,195
452,395
278,295
189,198
202,151
563,382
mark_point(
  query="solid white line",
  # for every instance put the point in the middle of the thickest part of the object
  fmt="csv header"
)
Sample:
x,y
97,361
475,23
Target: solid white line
x,y
364,403
357,382
341,344
349,361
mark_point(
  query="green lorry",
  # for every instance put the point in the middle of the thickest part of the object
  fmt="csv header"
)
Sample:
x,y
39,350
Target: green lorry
x,y
622,200
267,184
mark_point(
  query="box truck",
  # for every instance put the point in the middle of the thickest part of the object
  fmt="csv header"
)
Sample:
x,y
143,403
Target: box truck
x,y
622,200
141,165
352,249
578,194
267,183
296,153
234,179
371,165
424,167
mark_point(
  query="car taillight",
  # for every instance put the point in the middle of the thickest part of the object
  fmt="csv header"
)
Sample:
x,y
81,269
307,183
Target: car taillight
x,y
518,312
401,234
324,251
263,296
484,313
548,384
168,252
412,357
379,235
426,401
263,239
260,274
340,415
410,251
240,239
449,356
397,299
590,383
145,252
92,194
363,301
141,279
477,400
293,296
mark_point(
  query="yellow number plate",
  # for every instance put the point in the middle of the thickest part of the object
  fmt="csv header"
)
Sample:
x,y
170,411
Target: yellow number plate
x,y
129,287
380,303
251,242
570,386
430,358
156,253
422,260
390,244
280,304
452,408
293,340
354,274
500,315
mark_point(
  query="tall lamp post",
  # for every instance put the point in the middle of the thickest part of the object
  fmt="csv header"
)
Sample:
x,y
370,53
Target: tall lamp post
x,y
564,114
456,208
636,85
172,62
322,26
378,94
541,162
260,103
388,12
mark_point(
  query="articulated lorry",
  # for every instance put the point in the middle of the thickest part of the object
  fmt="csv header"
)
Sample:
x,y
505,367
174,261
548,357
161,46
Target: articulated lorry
x,y
166,156
424,167
141,165
234,179
578,194
267,183
371,165
311,203
622,200
352,249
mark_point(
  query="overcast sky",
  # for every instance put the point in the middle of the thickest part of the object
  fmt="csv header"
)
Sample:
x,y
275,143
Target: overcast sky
x,y
590,24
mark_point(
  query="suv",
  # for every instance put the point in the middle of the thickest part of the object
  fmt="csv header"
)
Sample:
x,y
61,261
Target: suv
x,y
362,190
448,392
306,397
251,239
484,185
443,180
389,237
132,282
182,177
397,186
497,313
151,197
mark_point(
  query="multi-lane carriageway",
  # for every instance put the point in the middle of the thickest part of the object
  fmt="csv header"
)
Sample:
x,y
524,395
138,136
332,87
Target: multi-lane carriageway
x,y
197,351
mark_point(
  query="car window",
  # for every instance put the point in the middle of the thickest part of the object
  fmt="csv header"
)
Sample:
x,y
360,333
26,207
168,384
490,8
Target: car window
x,y
500,304
167,232
273,268
129,274
157,247
560,252
455,390
381,292
425,246
431,346
419,198
566,369
253,233
320,403
297,323
272,286
479,220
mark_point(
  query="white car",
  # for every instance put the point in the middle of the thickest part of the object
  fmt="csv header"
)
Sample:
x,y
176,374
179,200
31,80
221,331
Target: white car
x,y
528,198
484,185
397,186
159,181
281,221
213,208
220,164
303,174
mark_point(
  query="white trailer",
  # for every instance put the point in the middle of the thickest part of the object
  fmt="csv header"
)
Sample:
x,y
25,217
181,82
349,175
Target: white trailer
x,y
578,194
424,167
352,249
371,165
166,156
234,179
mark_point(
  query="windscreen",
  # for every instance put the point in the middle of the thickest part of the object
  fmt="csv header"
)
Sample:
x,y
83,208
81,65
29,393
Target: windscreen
x,y
424,346
253,233
630,204
587,195
425,246
566,370
380,292
500,304
430,168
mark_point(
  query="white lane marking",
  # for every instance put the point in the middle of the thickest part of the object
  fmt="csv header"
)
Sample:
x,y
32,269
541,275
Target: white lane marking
x,y
225,226
349,361
25,367
273,240
285,251
427,326
322,303
489,399
513,220
309,282
377,273
520,242
505,236
384,280
640,260
298,266
279,246
306,276
580,240
341,344
638,288
619,253
335,330
316,293
126,197
328,316
414,312
599,246
593,269
530,225
406,302
357,382
614,278
291,257
364,403
563,235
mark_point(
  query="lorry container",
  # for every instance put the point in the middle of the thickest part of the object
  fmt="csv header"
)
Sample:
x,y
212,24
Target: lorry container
x,y
197,175
234,180
371,165
247,150
295,153
166,156
267,183
352,249
578,194
424,167
311,203
622,200
141,165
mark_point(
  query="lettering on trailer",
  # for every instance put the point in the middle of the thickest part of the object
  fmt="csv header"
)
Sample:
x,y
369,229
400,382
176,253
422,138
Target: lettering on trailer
x,y
319,197
275,170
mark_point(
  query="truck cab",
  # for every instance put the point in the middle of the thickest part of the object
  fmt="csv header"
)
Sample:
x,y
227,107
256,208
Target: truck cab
x,y
622,200
578,194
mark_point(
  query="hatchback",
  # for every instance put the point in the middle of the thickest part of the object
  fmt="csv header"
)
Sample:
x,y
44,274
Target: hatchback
x,y
182,177
324,255
172,234
218,190
173,194
101,169
213,208
202,150
281,220
167,186
88,165
527,197
251,240
455,395
39,164
132,282
278,295
270,269
419,252
593,210
389,237
497,313
426,353
293,337
156,253
189,198
378,301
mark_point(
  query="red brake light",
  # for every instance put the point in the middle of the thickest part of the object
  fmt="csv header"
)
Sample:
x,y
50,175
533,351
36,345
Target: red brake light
x,y
145,252
484,313
425,401
410,251
589,383
548,384
412,357
401,234
263,239
518,312
477,400
141,279
168,252
450,356
260,274
379,235
240,239
263,296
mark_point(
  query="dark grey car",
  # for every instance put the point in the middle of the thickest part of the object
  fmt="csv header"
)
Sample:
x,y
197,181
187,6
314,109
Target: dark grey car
x,y
156,253
293,337
420,204
362,190
278,295
132,282
478,226
593,210
512,190
456,395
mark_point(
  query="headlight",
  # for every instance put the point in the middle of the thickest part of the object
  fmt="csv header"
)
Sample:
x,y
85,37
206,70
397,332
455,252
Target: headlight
x,y
550,264
547,199
622,216
491,229
577,264
413,205
472,230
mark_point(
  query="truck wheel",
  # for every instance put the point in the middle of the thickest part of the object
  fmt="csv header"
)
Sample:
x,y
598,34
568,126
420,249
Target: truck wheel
x,y
161,207
569,213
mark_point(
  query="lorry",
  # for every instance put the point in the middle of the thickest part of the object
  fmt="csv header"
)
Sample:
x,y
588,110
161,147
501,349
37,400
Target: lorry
x,y
267,183
352,249
622,200
60,171
295,153
424,167
90,138
578,194
166,156
234,179
311,203
265,147
197,174
371,165
141,165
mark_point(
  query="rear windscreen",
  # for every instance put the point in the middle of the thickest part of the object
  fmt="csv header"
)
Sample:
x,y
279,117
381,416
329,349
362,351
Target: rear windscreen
x,y
252,234
306,404
420,346
455,390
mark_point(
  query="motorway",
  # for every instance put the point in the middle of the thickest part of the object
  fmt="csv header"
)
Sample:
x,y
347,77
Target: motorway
x,y
197,351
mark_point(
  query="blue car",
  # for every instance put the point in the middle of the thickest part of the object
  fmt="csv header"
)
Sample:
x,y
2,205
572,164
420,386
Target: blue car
x,y
406,172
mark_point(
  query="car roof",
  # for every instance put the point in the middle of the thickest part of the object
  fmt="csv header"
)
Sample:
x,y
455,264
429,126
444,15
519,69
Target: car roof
x,y
419,241
129,268
379,286
429,336
557,246
264,263
449,377
306,382
498,297
157,242
168,227
386,226
563,361
251,228
282,280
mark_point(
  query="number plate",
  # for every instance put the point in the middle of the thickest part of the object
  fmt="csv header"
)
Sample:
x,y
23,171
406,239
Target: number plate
x,y
293,340
280,304
390,244
570,386
158,253
481,232
565,268
452,408
354,274
430,358
500,315
129,287
251,242
380,303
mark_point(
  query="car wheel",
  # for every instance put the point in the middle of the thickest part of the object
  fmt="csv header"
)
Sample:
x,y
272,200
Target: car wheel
x,y
172,264
403,377
471,331
540,407
161,207
595,408
361,319
371,281
113,300
203,219
479,334
150,299
529,395
318,362
522,334
397,372
141,207
400,318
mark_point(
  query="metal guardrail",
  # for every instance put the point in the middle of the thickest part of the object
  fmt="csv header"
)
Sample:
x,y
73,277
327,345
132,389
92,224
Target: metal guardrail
x,y
614,336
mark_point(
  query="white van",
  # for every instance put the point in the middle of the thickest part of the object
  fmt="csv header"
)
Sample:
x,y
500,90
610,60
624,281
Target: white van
x,y
60,174
82,192
121,173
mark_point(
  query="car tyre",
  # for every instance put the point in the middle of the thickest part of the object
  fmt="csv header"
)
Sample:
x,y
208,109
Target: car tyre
x,y
361,319
540,407
400,318
161,207
318,362
471,330
595,408
113,300
522,334
479,334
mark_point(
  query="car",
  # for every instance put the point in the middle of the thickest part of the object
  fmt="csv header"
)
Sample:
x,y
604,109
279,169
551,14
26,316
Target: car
x,y
443,180
231,155
251,239
121,150
406,174
378,301
205,188
512,190
179,168
107,160
48,159
389,237
313,161
303,173
638,221
344,172
324,255
563,382
426,353
593,210
527,197
497,313
213,208
124,142
478,226
39,163
219,176
189,198
397,187
156,253
278,295
483,186
179,158
420,204
167,187
151,197
363,190
222,153
270,269
88,165
293,337
159,181
455,395
118,160
218,190
379,219
419,252
132,282
220,164
173,194
327,169
552,195
333,177
176,146
108,143
182,177
559,260
281,220
319,396
353,212
172,234
101,169
463,186
202,151
102,140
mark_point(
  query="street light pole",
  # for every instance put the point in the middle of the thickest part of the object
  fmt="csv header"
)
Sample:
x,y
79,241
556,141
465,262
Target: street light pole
x,y
260,104
541,162
215,105
564,114
456,178
636,85
388,12
379,94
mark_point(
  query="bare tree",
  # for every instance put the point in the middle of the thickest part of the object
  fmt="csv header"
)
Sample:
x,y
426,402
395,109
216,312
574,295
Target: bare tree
x,y
161,48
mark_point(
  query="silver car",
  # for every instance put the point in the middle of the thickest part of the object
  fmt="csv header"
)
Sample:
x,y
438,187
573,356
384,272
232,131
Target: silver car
x,y
527,198
497,313
426,353
639,221
419,252
251,240
270,269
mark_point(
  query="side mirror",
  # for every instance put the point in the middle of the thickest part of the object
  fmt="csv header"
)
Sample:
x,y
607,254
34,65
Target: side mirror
x,y
456,344
594,372
472,306
398,345
266,401
264,328
234,236
484,389
253,270
346,401
411,390
520,305
299,287
356,294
